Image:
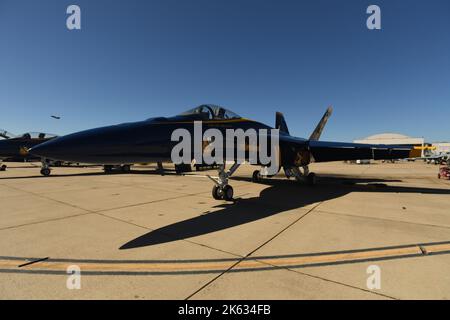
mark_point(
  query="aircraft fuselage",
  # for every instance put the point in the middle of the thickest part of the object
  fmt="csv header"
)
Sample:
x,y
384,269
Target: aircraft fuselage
x,y
137,142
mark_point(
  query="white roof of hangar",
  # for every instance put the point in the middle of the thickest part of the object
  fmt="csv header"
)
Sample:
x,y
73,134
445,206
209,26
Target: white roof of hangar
x,y
391,138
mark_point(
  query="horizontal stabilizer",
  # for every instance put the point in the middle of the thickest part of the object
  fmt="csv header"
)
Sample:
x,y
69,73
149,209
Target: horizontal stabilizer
x,y
323,151
318,130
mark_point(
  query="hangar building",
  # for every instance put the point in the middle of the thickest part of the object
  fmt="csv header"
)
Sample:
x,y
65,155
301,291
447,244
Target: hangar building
x,y
442,147
396,139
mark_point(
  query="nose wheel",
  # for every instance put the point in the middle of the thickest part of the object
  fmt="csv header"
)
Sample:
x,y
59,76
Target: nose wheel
x,y
3,167
223,193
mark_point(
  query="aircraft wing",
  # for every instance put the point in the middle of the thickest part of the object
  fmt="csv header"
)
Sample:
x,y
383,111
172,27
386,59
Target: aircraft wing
x,y
323,151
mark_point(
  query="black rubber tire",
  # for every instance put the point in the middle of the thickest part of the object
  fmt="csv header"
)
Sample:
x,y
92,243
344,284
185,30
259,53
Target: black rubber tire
x,y
45,172
256,177
3,167
217,192
126,168
228,193
311,179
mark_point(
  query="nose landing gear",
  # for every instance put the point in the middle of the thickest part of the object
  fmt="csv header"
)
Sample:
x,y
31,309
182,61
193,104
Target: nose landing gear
x,y
222,190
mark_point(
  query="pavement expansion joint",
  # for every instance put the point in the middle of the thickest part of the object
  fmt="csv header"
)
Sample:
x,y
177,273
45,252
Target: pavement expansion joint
x,y
33,262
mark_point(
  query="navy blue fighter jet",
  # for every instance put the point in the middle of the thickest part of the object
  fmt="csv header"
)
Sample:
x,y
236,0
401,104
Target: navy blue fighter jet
x,y
150,141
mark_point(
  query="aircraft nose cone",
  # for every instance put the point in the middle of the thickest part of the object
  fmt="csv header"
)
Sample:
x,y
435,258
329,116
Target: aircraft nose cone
x,y
125,143
49,150
70,148
105,145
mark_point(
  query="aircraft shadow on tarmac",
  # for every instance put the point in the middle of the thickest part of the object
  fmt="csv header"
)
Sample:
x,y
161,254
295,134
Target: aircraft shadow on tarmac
x,y
281,195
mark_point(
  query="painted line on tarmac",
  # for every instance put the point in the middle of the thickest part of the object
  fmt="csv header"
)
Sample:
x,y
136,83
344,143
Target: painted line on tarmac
x,y
174,267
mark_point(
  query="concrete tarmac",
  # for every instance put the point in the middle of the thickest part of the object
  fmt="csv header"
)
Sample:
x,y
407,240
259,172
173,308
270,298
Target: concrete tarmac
x,y
378,231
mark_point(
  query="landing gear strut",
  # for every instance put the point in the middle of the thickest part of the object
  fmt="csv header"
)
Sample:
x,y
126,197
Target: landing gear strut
x,y
222,190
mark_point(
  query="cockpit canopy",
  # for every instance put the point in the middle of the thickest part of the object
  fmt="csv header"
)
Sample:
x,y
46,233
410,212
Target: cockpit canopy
x,y
211,112
37,135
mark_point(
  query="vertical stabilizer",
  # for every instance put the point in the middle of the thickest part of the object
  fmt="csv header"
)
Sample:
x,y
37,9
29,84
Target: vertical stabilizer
x,y
280,123
318,130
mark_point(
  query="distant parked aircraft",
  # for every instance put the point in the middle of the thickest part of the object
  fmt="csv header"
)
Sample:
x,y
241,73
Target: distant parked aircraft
x,y
437,158
15,148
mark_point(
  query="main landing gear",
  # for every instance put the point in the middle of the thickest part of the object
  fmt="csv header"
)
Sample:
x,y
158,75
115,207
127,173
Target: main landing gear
x,y
3,167
222,190
160,169
305,176
259,175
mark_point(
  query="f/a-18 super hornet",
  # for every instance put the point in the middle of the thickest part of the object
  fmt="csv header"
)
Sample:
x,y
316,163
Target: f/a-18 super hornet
x,y
152,141
15,148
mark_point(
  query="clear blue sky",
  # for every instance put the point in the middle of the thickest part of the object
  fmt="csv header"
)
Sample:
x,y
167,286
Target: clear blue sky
x,y
137,59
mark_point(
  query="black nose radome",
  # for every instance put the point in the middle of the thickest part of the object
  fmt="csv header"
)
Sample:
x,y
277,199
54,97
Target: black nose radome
x,y
49,150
